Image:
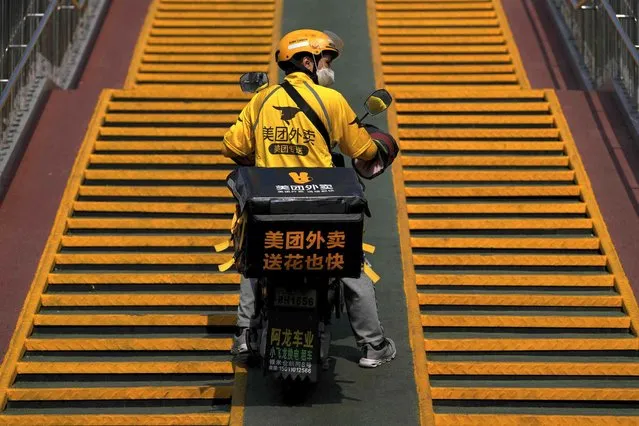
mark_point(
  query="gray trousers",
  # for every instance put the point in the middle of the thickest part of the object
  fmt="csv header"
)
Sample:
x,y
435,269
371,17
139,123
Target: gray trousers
x,y
359,298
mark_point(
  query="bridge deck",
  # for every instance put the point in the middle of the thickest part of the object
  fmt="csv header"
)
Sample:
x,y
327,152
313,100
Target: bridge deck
x,y
518,307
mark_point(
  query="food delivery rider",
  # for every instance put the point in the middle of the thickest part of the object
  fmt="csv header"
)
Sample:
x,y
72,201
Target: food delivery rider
x,y
306,56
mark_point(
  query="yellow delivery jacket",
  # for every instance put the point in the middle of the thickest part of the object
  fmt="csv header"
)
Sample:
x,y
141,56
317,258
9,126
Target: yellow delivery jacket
x,y
273,129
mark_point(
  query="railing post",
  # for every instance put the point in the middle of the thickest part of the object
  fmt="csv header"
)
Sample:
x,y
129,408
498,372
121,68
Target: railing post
x,y
40,31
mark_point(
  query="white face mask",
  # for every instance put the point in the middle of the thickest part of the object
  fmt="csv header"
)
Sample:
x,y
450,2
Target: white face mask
x,y
326,77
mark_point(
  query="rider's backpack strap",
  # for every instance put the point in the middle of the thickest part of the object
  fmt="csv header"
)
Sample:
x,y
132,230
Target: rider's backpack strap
x,y
310,113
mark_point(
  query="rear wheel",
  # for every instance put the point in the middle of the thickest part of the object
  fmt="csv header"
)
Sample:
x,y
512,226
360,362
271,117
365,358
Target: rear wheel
x,y
296,391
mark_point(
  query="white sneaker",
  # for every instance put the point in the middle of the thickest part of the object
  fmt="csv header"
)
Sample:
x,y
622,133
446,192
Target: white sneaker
x,y
240,343
375,357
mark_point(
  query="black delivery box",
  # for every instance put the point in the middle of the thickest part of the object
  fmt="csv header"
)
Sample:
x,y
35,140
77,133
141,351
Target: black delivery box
x,y
298,221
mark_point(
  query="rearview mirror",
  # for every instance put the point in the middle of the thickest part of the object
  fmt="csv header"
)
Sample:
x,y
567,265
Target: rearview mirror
x,y
378,101
252,82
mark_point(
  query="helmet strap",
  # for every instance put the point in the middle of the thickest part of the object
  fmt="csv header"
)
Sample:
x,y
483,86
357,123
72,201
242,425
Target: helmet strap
x,y
316,66
299,66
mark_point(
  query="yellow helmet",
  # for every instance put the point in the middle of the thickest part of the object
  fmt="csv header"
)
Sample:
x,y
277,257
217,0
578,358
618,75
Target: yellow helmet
x,y
308,41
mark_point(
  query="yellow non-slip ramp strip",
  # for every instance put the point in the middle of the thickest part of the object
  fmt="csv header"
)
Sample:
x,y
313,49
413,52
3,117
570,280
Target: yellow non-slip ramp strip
x,y
520,312
442,44
128,320
205,42
518,297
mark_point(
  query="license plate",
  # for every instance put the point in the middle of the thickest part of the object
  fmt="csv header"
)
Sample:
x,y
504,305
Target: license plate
x,y
297,298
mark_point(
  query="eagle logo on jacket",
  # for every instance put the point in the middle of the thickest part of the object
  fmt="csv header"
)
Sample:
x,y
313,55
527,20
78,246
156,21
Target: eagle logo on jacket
x,y
287,112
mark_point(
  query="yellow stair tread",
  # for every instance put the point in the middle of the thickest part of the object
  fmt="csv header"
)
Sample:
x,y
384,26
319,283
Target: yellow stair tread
x,y
203,32
495,208
158,147
541,394
429,22
443,40
135,320
449,74
171,118
144,278
228,24
162,132
500,223
128,367
479,160
443,59
212,40
464,95
532,419
229,59
507,243
125,223
142,258
441,31
194,208
200,69
159,159
141,241
533,368
190,85
461,107
221,7
484,119
446,48
178,94
545,321
120,393
158,191
189,419
509,260
435,86
159,175
140,300
434,6
177,106
183,78
555,279
472,133
488,176
496,191
130,344
485,159
202,15
239,49
215,1
441,13
531,344
440,299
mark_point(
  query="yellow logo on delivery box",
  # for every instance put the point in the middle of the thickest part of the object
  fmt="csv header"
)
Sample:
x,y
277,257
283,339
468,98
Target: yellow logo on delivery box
x,y
300,178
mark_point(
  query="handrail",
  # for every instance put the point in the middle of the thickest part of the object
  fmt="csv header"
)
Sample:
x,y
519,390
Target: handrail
x,y
605,43
43,54
578,3
25,56
80,4
622,33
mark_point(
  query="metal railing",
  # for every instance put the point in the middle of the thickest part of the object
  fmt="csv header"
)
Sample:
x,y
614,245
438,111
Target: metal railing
x,y
606,33
35,36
